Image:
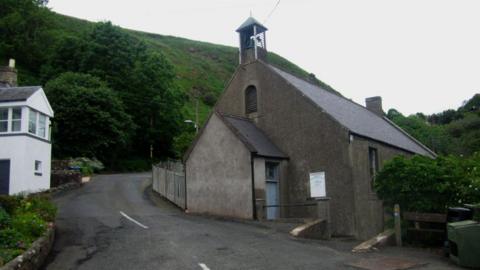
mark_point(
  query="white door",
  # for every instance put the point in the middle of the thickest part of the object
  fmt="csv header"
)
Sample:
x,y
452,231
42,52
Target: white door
x,y
272,196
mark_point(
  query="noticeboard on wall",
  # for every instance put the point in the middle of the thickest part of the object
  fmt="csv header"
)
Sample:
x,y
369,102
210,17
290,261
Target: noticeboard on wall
x,y
317,185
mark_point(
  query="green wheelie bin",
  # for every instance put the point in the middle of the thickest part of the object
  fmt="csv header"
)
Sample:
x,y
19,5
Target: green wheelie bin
x,y
464,240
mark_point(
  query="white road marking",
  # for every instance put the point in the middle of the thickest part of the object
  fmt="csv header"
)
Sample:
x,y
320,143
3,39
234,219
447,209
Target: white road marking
x,y
203,266
133,220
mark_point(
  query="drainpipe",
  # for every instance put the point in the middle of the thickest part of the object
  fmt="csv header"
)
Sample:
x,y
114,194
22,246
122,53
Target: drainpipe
x,y
254,209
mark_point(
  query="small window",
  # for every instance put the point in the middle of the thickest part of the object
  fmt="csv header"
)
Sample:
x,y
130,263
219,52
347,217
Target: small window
x,y
38,167
373,161
4,120
42,125
16,119
32,122
251,99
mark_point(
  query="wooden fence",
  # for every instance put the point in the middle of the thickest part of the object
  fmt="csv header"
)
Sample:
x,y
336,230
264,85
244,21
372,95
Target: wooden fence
x,y
169,181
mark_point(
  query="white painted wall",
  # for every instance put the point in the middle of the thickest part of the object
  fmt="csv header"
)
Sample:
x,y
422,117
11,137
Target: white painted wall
x,y
23,148
22,151
39,102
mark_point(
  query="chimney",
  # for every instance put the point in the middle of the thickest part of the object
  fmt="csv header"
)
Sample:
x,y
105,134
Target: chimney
x,y
8,75
374,104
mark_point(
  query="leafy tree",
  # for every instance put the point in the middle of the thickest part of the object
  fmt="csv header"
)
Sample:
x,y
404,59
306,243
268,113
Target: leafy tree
x,y
24,31
430,185
154,91
144,81
69,52
182,142
433,136
90,119
111,54
471,105
444,117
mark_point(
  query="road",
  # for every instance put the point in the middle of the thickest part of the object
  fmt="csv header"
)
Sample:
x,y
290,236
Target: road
x,y
113,223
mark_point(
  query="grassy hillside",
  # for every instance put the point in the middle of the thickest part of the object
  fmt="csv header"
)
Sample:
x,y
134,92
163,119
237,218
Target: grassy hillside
x,y
201,65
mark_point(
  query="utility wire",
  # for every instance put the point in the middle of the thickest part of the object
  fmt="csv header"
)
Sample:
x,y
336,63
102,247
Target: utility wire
x,y
271,12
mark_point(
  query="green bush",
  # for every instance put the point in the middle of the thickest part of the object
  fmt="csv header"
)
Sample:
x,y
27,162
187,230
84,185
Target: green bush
x,y
30,225
4,219
7,255
430,185
41,205
11,238
10,203
476,212
133,165
87,166
22,220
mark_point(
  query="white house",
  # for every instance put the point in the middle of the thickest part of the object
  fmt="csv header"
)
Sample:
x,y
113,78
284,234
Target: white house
x,y
25,147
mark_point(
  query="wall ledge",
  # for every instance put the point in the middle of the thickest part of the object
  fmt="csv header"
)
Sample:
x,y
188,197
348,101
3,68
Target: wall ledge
x,y
34,257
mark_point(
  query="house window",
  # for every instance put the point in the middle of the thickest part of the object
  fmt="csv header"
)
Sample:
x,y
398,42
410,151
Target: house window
x,y
251,99
32,122
38,167
373,162
42,125
4,120
16,119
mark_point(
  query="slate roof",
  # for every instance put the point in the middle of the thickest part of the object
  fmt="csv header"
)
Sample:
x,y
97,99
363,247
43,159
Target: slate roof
x,y
252,21
355,117
253,137
10,94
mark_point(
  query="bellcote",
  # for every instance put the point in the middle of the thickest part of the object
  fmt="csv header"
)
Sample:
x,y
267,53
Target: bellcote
x,y
253,44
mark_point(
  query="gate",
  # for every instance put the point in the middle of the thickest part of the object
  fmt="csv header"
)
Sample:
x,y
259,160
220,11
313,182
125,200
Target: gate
x,y
169,181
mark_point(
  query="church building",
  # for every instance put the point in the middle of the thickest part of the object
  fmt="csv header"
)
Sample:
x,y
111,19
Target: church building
x,y
275,144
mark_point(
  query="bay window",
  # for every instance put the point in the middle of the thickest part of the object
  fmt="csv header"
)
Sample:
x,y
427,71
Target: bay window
x,y
16,119
3,119
42,125
11,121
32,122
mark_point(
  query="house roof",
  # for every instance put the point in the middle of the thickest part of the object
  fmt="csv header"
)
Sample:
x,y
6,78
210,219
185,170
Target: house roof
x,y
11,94
254,138
355,117
252,21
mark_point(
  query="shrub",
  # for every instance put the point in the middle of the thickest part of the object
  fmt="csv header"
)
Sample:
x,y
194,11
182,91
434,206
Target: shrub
x,y
41,205
93,164
10,203
11,238
4,219
29,224
430,185
133,165
9,254
87,166
22,220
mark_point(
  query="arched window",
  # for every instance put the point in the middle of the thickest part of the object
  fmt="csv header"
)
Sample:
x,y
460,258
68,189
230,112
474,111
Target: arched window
x,y
251,99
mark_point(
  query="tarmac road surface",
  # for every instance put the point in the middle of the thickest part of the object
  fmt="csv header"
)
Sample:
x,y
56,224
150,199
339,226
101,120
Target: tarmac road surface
x,y
113,223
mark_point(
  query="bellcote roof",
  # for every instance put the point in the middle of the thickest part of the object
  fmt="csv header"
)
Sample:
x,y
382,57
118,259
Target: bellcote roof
x,y
250,22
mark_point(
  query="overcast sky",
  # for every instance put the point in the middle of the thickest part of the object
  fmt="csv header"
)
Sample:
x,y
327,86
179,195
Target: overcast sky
x,y
419,55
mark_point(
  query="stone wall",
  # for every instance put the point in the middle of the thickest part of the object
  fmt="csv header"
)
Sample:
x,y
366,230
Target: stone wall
x,y
63,177
35,256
